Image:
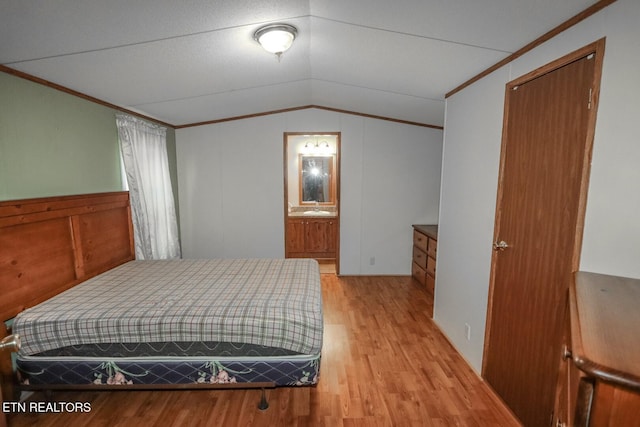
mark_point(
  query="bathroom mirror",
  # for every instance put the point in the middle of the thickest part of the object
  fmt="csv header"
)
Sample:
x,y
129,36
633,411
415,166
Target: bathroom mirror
x,y
316,179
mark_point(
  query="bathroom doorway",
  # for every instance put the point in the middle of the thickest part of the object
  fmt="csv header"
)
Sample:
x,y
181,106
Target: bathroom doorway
x,y
312,197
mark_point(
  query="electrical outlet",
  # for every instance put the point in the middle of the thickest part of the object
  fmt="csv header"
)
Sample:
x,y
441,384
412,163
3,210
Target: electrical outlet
x,y
372,260
467,331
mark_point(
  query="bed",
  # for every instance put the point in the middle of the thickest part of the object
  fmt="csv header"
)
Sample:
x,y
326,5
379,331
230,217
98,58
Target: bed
x,y
91,316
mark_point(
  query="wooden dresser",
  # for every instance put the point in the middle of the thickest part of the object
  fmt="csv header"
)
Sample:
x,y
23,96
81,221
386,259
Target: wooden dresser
x,y
425,243
599,377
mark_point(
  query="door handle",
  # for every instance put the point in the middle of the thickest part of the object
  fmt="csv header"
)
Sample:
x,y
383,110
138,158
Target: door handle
x,y
500,246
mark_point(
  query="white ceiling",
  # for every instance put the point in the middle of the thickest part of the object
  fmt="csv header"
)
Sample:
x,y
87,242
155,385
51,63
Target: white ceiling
x,y
185,62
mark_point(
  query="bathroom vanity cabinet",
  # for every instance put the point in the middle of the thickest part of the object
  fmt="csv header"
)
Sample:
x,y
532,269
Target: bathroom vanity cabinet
x,y
311,237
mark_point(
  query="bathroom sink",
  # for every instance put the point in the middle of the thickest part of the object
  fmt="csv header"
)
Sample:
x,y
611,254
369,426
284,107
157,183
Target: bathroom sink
x,y
317,213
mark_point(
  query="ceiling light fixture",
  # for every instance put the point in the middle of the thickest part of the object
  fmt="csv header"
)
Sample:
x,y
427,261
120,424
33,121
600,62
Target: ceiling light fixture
x,y
276,38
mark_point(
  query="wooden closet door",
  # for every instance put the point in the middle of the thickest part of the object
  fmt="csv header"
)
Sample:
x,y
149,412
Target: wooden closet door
x,y
544,169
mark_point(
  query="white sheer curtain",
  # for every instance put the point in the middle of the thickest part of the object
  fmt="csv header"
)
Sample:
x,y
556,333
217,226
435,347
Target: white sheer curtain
x,y
144,153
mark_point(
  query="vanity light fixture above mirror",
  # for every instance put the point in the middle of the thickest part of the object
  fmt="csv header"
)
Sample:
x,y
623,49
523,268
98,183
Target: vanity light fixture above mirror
x,y
317,147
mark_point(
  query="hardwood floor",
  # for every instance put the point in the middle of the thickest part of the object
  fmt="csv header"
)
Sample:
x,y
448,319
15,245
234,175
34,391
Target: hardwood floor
x,y
327,268
384,363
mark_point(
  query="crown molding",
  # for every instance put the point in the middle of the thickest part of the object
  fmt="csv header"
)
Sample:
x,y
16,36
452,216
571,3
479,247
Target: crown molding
x,y
597,7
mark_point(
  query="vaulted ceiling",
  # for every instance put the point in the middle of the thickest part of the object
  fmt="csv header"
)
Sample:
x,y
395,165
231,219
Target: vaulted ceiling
x,y
186,62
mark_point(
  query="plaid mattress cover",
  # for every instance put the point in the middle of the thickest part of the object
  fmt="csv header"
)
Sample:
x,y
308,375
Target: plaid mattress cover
x,y
271,302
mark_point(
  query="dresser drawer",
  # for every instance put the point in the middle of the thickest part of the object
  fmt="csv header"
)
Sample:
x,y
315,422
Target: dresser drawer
x,y
430,283
419,257
418,273
432,247
431,266
420,240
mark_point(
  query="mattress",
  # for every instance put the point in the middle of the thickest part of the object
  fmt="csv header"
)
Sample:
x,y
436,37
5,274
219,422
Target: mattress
x,y
179,321
264,302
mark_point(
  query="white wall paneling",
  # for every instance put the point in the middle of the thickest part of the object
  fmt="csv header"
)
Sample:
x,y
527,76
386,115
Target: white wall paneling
x,y
232,197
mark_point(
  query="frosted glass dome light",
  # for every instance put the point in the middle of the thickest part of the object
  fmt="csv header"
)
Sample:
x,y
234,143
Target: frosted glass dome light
x,y
276,38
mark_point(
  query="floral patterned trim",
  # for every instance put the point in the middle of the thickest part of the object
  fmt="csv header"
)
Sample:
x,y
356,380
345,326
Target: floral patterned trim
x,y
116,376
213,371
218,374
305,380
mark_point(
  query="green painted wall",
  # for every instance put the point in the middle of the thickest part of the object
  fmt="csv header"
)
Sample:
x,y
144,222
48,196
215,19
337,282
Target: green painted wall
x,y
53,143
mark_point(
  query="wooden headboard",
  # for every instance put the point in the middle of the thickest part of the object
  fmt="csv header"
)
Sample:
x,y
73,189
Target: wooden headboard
x,y
51,244
48,245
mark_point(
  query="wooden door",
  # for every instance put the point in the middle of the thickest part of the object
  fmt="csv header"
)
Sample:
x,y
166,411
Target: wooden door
x,y
549,120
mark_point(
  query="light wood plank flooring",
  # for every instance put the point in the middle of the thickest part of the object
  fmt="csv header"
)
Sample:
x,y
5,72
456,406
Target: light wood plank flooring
x,y
384,363
327,268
